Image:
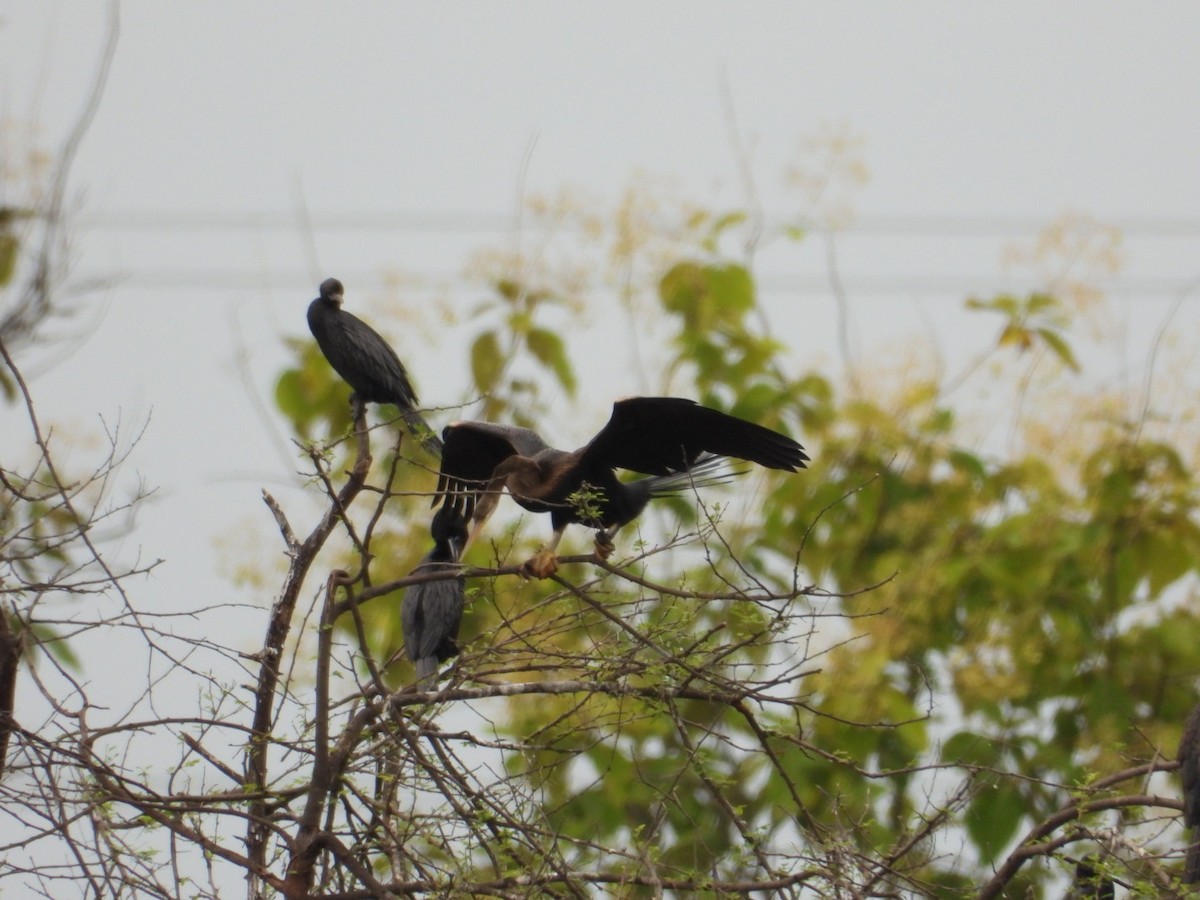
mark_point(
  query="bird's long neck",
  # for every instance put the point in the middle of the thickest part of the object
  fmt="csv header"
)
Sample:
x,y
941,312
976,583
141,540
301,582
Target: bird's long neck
x,y
534,478
520,474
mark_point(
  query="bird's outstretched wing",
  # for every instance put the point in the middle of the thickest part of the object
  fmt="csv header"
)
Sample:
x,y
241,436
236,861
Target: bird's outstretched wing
x,y
661,435
471,451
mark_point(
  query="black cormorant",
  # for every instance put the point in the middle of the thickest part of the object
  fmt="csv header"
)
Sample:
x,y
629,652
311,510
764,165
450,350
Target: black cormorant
x,y
675,441
432,611
1189,773
365,360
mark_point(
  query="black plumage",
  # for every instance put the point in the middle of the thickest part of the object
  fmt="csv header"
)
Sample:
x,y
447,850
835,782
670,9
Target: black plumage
x,y
678,443
365,360
1189,773
1091,884
431,611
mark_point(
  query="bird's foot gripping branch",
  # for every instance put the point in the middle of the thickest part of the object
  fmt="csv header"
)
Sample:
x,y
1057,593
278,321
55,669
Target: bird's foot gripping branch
x,y
542,564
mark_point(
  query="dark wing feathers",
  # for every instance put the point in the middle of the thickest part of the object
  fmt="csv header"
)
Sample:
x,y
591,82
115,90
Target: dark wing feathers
x,y
524,441
470,453
431,614
661,435
652,435
368,363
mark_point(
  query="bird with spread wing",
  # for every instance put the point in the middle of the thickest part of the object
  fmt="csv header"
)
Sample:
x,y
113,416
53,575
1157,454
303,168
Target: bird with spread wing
x,y
677,443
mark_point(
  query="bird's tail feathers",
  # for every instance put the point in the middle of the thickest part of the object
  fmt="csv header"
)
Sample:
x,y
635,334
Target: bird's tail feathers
x,y
707,470
422,432
427,667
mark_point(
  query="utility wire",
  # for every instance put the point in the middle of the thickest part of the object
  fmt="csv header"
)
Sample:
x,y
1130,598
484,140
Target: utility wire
x,y
451,222
860,287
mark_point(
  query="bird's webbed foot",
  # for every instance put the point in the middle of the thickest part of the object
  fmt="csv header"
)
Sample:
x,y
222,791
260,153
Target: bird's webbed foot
x,y
542,564
604,544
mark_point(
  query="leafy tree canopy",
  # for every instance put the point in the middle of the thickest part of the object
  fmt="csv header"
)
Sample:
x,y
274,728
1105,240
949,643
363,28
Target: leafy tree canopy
x,y
952,643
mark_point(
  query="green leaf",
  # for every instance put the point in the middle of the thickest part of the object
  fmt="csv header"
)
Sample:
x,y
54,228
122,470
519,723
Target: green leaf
x,y
719,226
732,287
550,350
1060,348
8,257
1017,335
1002,304
728,220
290,395
56,646
486,362
968,463
993,817
970,749
508,289
680,289
1040,302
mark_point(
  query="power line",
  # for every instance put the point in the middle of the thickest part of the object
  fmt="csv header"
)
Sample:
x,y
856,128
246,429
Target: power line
x,y
477,222
431,222
932,286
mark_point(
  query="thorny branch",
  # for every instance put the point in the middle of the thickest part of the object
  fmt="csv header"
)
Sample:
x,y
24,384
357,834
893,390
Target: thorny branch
x,y
48,550
1041,840
37,299
271,655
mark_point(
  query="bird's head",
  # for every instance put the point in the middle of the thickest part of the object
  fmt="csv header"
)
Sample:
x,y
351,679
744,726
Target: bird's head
x,y
450,525
331,291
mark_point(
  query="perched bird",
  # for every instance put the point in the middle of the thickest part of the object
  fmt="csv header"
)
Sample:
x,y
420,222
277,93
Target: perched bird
x,y
675,441
1189,773
365,360
432,611
1090,884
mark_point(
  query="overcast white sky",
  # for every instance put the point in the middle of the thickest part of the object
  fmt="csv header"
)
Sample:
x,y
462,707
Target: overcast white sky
x,y
980,124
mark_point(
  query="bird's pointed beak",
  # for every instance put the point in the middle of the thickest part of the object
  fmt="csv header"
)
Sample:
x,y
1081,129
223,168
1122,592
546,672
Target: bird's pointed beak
x,y
336,299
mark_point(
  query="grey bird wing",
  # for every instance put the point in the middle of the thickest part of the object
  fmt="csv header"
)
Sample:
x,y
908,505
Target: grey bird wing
x,y
661,435
471,452
430,616
411,622
435,610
